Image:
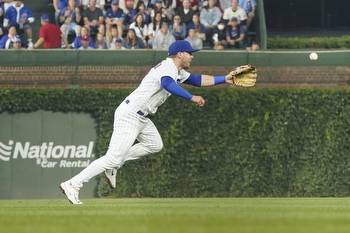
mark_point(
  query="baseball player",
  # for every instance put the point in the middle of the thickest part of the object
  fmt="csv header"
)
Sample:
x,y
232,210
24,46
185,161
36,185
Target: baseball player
x,y
131,121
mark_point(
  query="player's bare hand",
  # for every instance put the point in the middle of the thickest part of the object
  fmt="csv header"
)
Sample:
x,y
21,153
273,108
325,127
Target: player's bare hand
x,y
229,78
198,100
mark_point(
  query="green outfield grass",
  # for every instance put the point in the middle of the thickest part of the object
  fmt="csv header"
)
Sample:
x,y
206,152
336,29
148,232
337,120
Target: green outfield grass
x,y
210,215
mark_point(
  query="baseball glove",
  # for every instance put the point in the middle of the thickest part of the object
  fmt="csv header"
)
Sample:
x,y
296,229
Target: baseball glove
x,y
244,76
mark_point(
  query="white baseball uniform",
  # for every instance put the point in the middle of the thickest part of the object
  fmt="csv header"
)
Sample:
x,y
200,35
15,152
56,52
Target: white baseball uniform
x,y
131,122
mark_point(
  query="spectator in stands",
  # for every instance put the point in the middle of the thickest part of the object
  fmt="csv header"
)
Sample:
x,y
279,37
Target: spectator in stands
x,y
194,4
234,34
140,28
130,11
49,34
14,43
132,41
148,4
235,11
17,44
168,4
224,4
167,14
194,39
112,35
210,17
185,12
219,37
115,16
59,5
168,9
119,44
199,28
7,41
8,3
156,7
85,43
140,8
70,12
154,27
93,17
163,39
98,3
100,41
108,5
102,29
79,18
21,17
115,13
70,16
250,8
122,5
178,28
84,32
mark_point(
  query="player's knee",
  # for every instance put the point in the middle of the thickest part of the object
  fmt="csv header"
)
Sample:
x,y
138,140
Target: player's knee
x,y
114,158
158,146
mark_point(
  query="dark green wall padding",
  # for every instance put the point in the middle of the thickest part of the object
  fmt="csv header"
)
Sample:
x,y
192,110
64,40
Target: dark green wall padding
x,y
256,142
151,57
25,178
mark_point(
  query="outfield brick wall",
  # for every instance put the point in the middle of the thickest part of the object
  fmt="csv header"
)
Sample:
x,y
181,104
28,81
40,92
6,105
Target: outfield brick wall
x,y
128,76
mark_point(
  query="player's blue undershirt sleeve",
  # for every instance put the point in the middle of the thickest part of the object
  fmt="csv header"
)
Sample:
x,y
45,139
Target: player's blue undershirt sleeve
x,y
196,80
218,79
171,86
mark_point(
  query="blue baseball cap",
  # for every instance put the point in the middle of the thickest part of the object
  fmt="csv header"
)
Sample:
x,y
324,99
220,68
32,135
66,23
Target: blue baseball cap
x,y
115,2
45,17
181,46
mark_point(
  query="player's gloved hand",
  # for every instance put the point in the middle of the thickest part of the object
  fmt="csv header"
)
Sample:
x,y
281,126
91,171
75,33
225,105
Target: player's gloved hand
x,y
198,100
229,78
243,76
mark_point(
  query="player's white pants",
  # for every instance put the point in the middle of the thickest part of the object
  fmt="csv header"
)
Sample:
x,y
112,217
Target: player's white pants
x,y
128,126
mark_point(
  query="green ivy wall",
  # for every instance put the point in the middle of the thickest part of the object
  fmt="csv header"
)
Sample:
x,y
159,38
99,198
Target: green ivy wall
x,y
256,142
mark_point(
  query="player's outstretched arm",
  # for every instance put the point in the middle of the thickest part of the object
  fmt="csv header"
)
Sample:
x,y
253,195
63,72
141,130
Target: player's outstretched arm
x,y
202,80
171,86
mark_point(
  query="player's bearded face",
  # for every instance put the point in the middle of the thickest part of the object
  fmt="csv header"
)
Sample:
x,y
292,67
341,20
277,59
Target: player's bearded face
x,y
186,60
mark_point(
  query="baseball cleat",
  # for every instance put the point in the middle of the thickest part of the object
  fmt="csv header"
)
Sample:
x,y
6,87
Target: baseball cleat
x,y
71,192
111,175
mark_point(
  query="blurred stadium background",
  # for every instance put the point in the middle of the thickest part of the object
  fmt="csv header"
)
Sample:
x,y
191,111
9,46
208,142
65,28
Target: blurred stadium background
x,y
284,140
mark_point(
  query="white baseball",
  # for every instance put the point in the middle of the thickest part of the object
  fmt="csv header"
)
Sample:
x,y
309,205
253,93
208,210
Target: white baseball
x,y
313,56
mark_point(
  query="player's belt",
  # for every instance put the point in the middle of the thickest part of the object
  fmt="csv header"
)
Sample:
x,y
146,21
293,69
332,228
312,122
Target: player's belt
x,y
138,112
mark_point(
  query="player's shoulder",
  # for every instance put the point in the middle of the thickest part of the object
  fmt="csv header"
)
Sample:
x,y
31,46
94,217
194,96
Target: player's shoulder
x,y
167,62
166,66
163,68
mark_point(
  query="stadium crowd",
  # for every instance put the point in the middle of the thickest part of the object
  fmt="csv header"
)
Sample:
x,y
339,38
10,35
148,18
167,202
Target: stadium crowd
x,y
129,24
